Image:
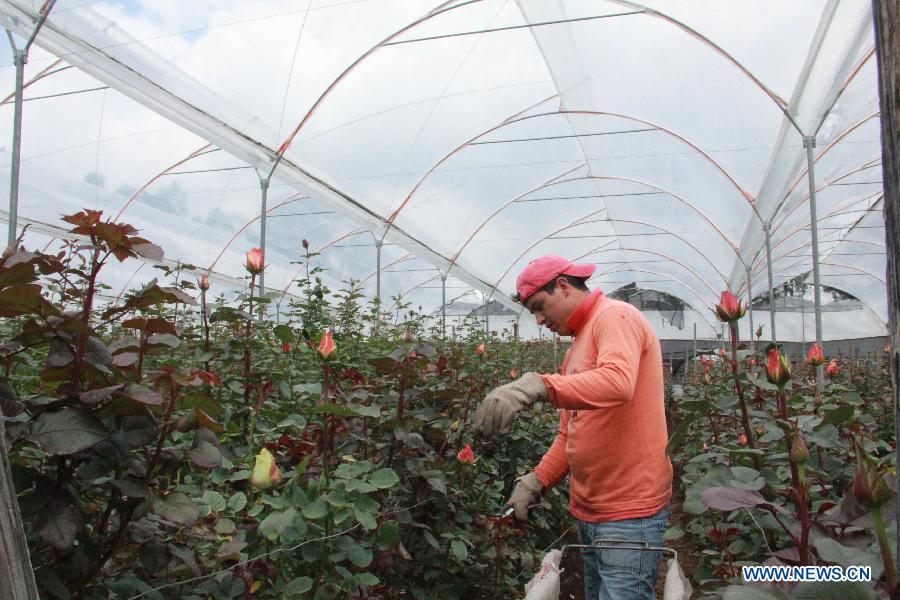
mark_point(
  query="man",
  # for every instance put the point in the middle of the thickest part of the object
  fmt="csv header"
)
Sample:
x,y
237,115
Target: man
x,y
612,429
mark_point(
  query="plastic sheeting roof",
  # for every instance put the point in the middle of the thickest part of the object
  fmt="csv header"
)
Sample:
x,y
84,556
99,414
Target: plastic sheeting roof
x,y
654,138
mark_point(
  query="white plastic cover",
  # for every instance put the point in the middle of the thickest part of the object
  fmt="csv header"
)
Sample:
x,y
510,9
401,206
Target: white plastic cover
x,y
656,139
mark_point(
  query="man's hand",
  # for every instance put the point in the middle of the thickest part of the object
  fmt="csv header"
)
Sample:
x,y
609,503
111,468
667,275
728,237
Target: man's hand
x,y
498,409
527,489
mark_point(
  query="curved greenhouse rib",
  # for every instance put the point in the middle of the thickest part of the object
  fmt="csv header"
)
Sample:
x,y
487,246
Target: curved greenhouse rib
x,y
198,152
825,150
834,212
516,119
782,104
804,199
404,258
465,144
667,258
288,200
580,221
455,258
45,72
877,278
410,290
438,10
350,233
699,296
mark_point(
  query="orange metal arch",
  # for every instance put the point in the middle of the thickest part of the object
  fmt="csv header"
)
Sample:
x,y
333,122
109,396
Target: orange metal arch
x,y
712,225
339,239
198,152
438,10
288,200
517,119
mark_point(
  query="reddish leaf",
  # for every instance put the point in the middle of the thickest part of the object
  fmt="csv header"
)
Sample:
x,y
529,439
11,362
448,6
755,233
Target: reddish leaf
x,y
730,498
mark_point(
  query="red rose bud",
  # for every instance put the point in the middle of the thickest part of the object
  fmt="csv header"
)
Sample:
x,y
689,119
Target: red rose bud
x,y
888,348
814,357
722,353
466,455
799,451
869,486
286,347
305,243
326,345
514,373
742,439
729,309
255,261
480,349
751,361
265,471
778,368
203,284
833,368
704,447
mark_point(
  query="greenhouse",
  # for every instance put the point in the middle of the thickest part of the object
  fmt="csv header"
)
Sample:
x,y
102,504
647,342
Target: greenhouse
x,y
297,232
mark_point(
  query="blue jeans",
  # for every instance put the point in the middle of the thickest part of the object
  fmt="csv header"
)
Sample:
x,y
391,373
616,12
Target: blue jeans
x,y
622,573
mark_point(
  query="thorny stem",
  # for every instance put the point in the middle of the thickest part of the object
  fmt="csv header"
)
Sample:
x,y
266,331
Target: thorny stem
x,y
801,496
739,389
885,550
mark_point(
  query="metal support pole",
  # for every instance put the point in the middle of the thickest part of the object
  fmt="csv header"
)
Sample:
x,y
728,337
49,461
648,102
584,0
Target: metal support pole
x,y
771,281
694,354
809,142
20,57
750,306
264,187
443,305
486,326
378,244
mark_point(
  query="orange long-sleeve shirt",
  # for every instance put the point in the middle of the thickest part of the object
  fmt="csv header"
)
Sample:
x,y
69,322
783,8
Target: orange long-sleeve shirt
x,y
612,428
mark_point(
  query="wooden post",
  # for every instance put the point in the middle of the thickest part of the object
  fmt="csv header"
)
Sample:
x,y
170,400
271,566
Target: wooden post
x,y
887,46
16,576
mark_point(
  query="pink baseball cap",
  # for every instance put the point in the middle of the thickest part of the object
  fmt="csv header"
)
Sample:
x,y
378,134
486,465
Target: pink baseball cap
x,y
543,270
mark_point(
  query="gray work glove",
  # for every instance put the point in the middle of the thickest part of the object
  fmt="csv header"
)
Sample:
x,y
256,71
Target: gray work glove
x,y
528,488
498,409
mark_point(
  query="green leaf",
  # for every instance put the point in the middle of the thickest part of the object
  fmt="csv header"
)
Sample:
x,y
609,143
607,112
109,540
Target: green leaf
x,y
274,524
238,502
214,500
437,484
178,508
458,547
833,551
67,431
316,509
297,586
384,478
366,519
834,590
681,431
358,555
673,533
743,592
825,436
388,532
283,333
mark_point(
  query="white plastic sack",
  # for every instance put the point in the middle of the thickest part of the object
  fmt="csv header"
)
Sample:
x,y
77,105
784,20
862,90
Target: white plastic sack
x,y
545,584
677,586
